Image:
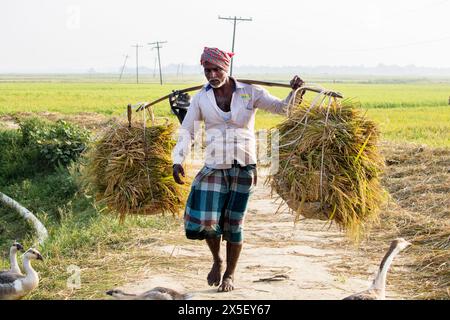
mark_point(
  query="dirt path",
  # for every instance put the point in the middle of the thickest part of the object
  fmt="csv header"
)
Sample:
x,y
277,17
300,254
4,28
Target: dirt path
x,y
305,253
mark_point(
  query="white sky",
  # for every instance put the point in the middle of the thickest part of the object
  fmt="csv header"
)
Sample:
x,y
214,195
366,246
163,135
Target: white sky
x,y
51,35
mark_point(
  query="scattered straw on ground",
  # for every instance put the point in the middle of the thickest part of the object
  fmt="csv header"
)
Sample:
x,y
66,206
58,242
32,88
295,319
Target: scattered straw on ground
x,y
418,180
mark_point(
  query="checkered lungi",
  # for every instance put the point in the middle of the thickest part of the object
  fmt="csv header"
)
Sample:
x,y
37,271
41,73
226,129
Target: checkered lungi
x,y
218,201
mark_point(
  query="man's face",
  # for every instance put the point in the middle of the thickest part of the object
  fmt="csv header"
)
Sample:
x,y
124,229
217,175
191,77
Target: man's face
x,y
215,75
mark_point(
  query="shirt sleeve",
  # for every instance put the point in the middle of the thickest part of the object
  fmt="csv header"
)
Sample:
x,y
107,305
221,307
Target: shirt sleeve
x,y
187,132
264,100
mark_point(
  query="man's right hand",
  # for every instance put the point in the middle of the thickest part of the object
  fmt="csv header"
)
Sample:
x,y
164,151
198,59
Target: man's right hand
x,y
177,169
296,82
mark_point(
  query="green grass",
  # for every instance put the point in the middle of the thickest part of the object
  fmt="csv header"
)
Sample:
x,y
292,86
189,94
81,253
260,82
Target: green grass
x,y
102,98
12,227
393,95
112,98
79,232
80,235
94,242
422,125
408,112
413,112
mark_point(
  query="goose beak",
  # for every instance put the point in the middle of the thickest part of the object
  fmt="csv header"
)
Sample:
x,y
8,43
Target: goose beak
x,y
19,247
39,257
109,292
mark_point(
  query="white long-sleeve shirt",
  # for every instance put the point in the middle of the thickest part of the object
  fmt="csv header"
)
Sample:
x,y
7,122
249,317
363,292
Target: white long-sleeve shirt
x,y
229,136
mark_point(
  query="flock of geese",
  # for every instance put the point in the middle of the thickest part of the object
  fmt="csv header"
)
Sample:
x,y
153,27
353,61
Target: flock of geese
x,y
15,285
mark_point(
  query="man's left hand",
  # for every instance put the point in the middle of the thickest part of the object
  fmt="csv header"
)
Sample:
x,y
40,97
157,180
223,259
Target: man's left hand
x,y
296,83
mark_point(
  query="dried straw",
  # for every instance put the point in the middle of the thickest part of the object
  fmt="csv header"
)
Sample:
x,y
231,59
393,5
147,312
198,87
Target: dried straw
x,y
130,170
329,164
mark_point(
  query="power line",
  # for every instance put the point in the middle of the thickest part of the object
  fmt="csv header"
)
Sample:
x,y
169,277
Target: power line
x,y
157,43
137,46
235,19
123,67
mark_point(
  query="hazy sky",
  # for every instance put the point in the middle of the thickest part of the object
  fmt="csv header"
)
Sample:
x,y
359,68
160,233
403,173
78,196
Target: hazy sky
x,y
52,35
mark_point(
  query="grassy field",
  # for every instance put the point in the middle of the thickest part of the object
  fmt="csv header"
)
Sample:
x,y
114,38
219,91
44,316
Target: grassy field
x,y
111,98
417,112
81,234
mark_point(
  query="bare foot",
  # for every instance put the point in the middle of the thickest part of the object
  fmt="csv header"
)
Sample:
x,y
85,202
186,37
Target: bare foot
x,y
227,284
215,274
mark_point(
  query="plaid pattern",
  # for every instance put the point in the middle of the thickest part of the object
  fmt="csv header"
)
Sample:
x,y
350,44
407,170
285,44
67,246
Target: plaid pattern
x,y
218,201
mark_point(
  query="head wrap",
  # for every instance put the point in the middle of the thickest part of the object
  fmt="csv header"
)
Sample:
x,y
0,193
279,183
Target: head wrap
x,y
217,57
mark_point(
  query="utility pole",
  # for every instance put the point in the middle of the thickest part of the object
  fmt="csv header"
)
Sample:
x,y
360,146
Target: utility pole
x,y
137,46
157,43
154,67
234,19
123,67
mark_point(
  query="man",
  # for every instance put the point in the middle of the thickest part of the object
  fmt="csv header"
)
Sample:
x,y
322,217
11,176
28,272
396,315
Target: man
x,y
219,194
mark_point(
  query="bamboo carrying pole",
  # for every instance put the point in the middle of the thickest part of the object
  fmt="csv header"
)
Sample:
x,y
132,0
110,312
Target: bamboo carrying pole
x,y
257,82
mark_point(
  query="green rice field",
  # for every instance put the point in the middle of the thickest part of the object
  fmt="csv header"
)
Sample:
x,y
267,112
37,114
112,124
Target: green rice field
x,y
412,112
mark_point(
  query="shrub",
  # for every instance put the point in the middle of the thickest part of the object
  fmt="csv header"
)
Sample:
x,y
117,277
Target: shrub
x,y
17,161
57,143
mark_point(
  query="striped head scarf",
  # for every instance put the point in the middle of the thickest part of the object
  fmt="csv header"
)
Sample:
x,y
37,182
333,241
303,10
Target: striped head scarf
x,y
217,57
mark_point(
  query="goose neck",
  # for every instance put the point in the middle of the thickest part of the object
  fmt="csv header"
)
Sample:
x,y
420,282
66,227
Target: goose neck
x,y
13,260
31,280
380,279
29,271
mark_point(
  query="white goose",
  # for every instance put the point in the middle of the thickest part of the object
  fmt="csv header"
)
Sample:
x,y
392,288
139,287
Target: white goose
x,y
20,285
377,290
5,276
158,293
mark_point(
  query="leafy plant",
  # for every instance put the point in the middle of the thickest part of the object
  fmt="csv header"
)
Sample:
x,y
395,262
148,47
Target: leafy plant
x,y
16,161
58,143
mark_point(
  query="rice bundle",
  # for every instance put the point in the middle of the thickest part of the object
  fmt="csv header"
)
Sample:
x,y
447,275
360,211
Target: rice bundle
x,y
329,164
132,173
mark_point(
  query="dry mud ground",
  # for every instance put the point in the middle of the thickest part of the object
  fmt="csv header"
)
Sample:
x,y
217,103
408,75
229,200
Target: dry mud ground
x,y
305,254
273,245
318,262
